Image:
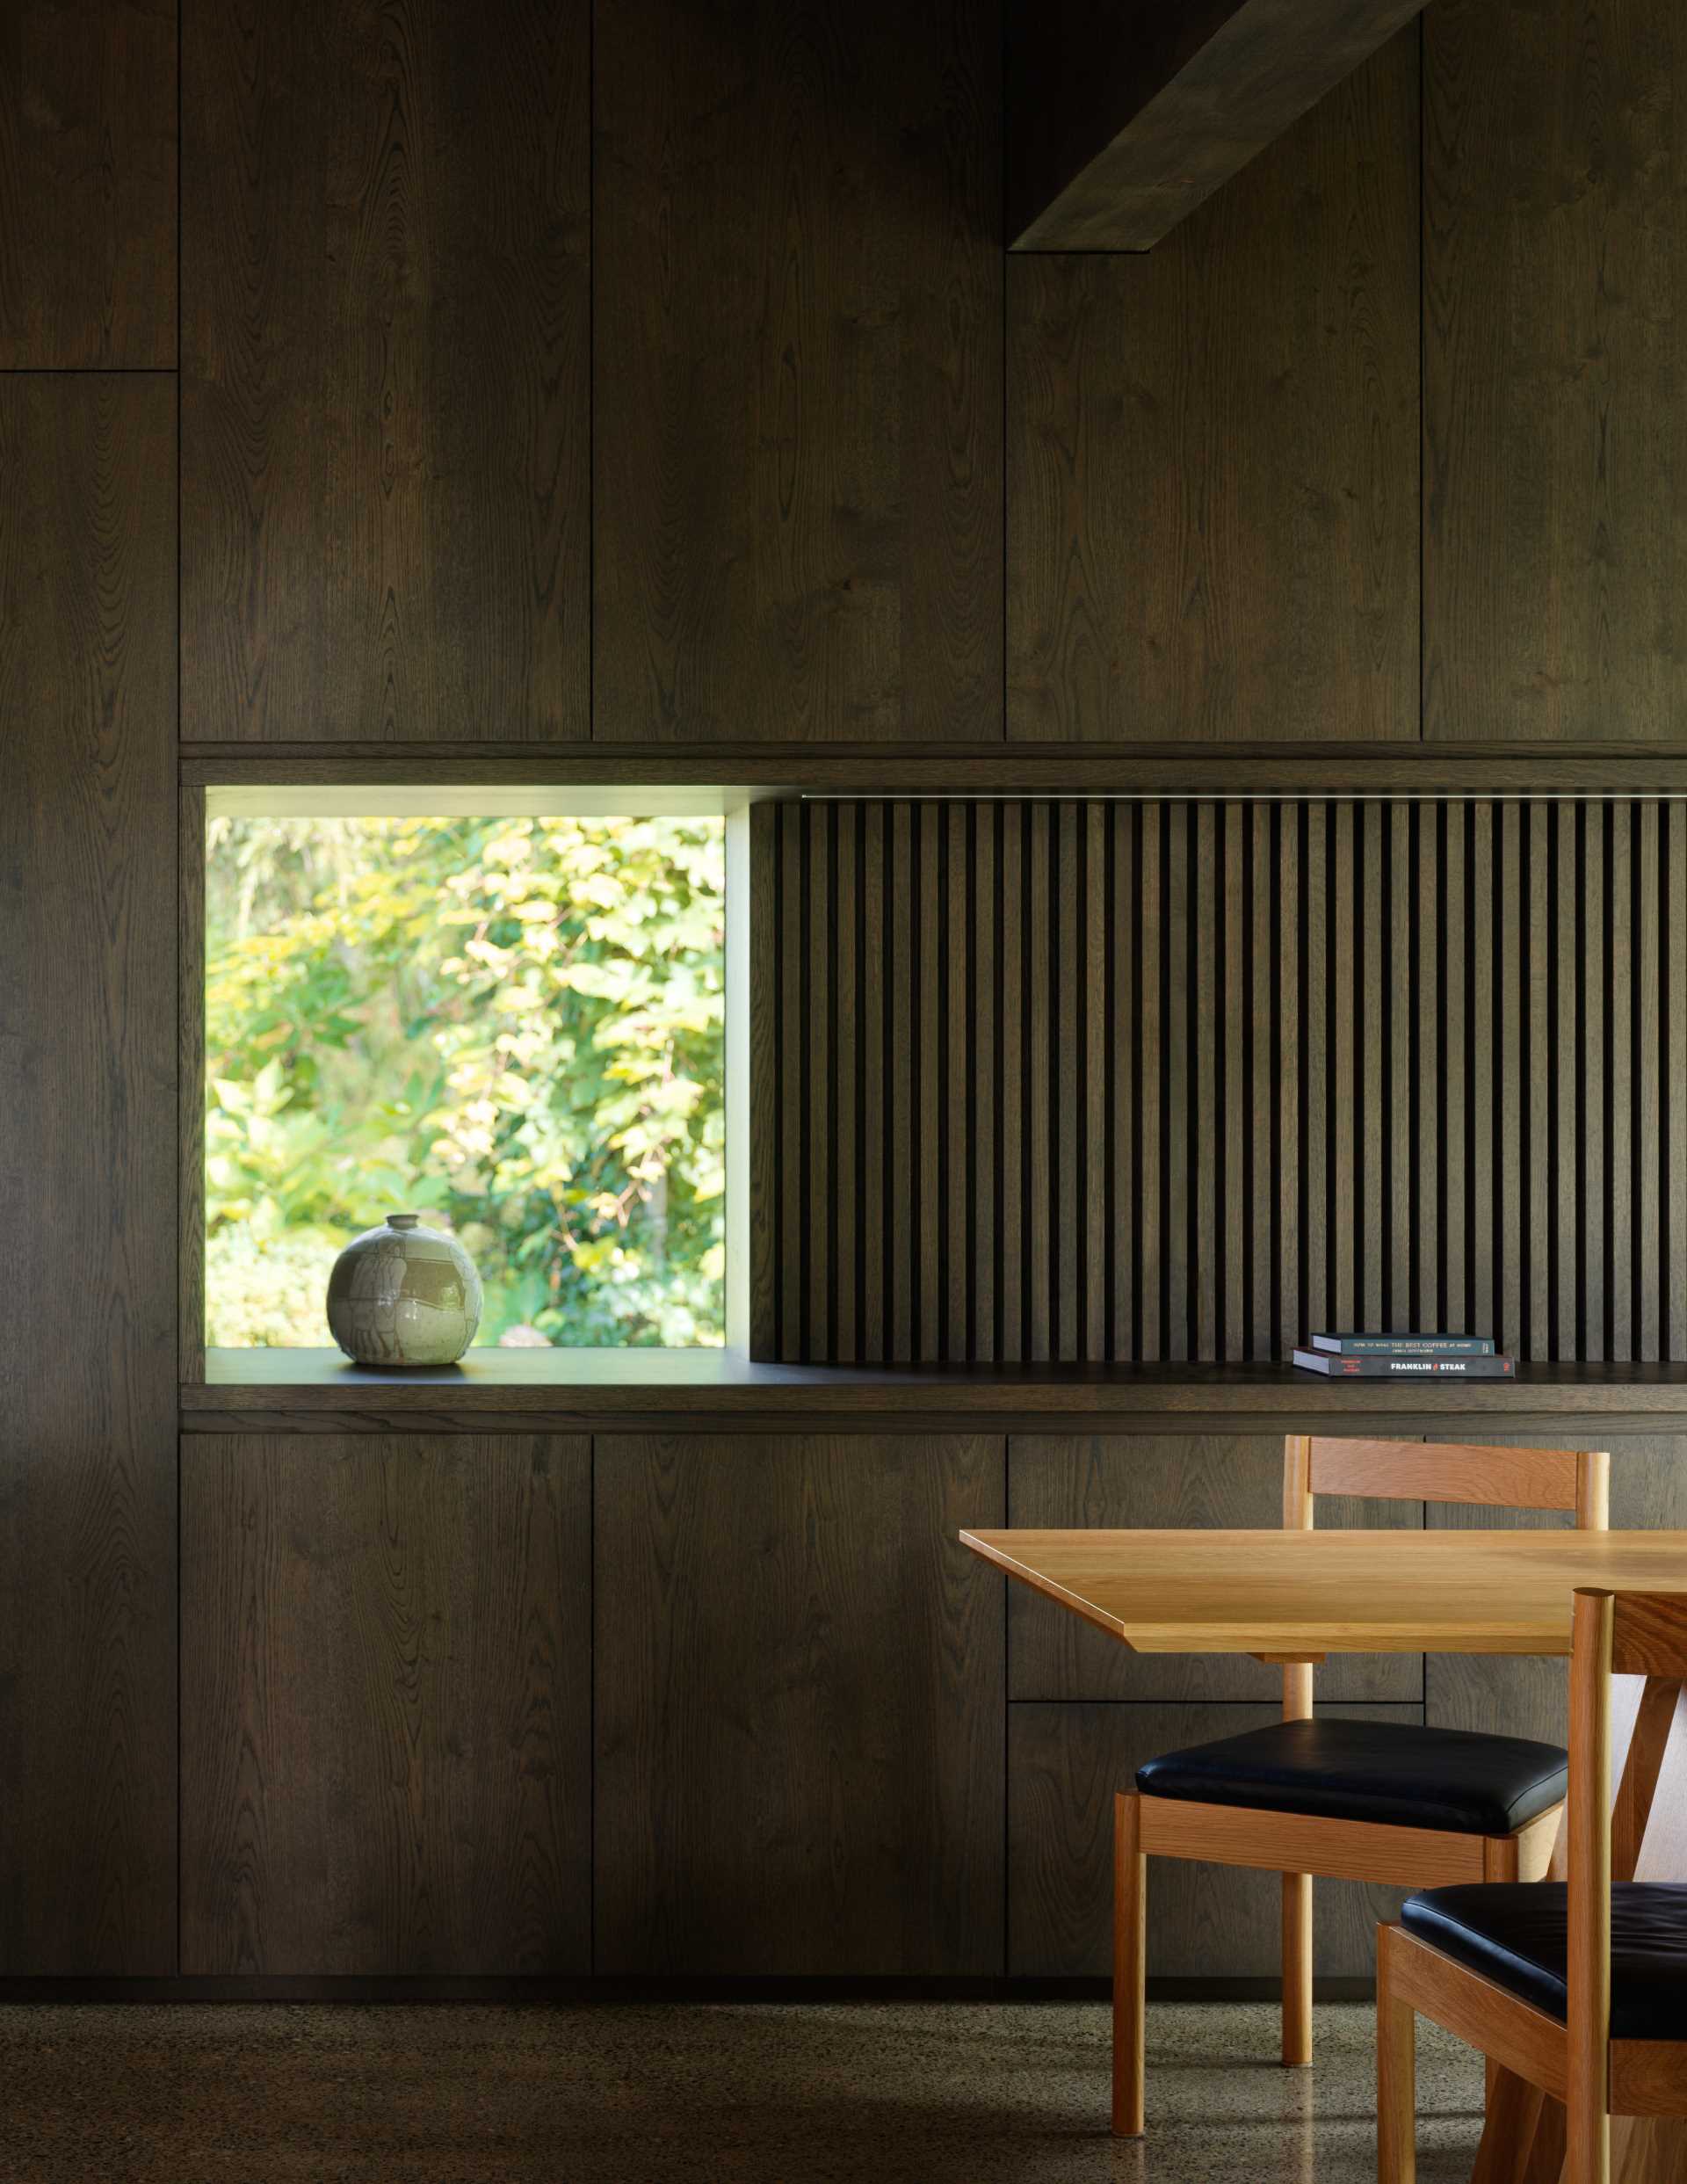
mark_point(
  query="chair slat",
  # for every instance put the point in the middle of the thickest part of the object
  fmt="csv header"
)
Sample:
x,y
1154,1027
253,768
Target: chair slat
x,y
1512,1478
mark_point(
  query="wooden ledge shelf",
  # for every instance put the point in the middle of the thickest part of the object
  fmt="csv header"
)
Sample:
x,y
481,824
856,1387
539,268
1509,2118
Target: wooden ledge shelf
x,y
574,1391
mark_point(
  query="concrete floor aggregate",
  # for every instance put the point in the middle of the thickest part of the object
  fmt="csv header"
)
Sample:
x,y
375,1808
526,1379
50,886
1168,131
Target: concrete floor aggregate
x,y
926,2092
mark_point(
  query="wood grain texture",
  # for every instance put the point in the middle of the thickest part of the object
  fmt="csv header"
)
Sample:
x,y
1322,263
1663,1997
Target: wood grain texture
x,y
1226,1481
385,1706
799,1707
88,1174
385,371
1064,1763
798,389
1213,505
88,181
1122,120
1242,1072
1555,504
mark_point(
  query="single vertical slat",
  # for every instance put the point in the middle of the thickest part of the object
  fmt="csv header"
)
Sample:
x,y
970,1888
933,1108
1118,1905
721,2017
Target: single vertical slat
x,y
765,1073
1151,1284
1372,1004
1566,1041
1675,1084
1233,1327
1095,1199
1513,1092
1039,1090
1454,1050
793,1182
1648,1268
1537,946
1262,1003
1124,1211
822,1207
1010,987
1620,1279
1401,898
846,1177
956,1149
926,1207
1066,984
1592,1047
1206,989
1286,969
1179,971
1346,1213
901,1256
1479,1151
987,1079
1427,1174
876,1318
1315,1078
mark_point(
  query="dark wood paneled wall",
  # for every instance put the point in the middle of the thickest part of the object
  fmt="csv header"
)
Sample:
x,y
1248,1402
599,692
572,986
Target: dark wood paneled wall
x,y
387,1704
798,391
1213,470
88,1173
385,371
1555,374
88,184
1097,1081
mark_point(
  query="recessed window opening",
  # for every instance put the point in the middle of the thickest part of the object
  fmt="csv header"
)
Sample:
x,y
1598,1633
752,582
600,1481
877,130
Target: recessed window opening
x,y
512,1024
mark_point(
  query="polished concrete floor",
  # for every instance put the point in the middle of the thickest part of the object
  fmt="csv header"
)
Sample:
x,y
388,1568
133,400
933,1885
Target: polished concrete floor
x,y
895,2093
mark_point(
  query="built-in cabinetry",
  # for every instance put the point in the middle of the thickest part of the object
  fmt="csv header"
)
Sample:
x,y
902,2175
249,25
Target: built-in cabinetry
x,y
727,1703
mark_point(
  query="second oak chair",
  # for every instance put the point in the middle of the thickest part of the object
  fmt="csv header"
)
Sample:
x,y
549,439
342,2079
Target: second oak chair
x,y
1412,1806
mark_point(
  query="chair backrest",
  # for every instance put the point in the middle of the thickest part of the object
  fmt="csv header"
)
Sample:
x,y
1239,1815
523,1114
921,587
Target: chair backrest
x,y
1450,1471
1624,1634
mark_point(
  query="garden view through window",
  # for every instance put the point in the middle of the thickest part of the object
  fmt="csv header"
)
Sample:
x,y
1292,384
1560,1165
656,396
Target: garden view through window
x,y
514,1027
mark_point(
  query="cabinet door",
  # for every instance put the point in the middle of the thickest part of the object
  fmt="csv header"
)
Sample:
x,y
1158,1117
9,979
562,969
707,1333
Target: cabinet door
x,y
1065,1764
87,1172
797,392
385,371
1192,1481
385,1704
799,1706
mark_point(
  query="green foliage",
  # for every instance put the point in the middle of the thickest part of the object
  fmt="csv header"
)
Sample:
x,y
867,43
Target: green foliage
x,y
515,1025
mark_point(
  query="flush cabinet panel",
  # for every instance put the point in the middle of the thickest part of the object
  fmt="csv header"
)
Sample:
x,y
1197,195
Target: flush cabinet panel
x,y
1065,1764
385,371
800,1705
385,1704
88,1173
1194,1480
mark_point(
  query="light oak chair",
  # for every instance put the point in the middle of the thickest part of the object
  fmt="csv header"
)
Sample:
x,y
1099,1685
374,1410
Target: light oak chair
x,y
1413,1806
1579,1989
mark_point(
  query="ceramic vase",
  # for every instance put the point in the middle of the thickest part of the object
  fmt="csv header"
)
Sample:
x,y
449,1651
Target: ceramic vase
x,y
404,1294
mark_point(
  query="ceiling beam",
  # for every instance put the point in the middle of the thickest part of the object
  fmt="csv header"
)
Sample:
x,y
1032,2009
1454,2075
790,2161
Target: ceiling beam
x,y
1124,115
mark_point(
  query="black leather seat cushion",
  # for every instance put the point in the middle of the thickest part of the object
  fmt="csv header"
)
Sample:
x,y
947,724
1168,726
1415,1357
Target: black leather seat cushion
x,y
1383,1771
1517,1936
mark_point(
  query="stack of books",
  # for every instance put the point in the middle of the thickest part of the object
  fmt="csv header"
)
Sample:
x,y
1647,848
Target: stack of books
x,y
1381,1357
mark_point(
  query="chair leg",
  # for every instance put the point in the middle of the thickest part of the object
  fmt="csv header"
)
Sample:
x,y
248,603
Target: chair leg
x,y
1396,2076
1500,1862
1130,1962
1297,1970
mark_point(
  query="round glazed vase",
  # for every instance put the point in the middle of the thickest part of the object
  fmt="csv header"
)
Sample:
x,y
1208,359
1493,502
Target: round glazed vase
x,y
404,1294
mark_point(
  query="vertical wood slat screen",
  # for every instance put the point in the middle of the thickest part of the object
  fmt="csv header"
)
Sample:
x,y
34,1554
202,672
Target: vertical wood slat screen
x,y
1160,1081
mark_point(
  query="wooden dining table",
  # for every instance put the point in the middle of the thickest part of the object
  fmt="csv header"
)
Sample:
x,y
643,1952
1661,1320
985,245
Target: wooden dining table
x,y
1310,1593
